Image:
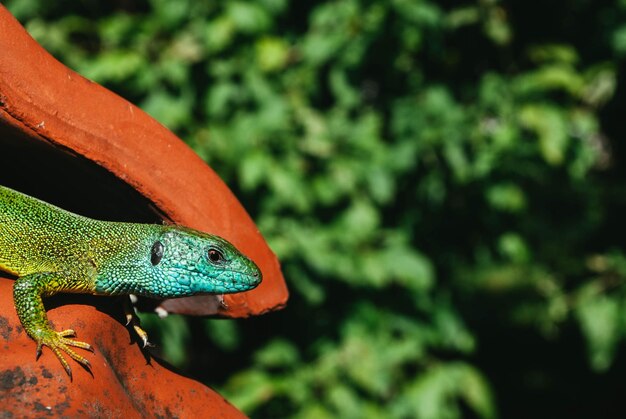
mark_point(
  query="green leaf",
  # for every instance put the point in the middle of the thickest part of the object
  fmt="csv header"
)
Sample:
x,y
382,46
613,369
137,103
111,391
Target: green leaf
x,y
506,197
550,127
279,353
272,54
113,66
599,318
248,17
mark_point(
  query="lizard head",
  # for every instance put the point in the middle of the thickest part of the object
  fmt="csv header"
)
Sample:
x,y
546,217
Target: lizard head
x,y
193,262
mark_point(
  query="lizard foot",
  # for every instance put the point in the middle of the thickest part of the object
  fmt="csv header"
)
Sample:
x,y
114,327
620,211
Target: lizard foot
x,y
132,319
58,341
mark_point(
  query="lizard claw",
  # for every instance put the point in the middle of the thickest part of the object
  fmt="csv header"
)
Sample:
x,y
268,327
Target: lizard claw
x,y
142,335
222,301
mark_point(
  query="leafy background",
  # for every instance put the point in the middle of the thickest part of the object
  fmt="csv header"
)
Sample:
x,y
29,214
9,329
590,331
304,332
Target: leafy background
x,y
442,181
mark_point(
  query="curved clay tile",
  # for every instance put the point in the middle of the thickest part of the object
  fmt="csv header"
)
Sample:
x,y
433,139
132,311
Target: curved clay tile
x,y
71,142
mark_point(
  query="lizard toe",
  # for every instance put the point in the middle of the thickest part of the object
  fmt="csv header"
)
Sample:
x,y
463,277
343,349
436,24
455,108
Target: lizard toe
x,y
67,333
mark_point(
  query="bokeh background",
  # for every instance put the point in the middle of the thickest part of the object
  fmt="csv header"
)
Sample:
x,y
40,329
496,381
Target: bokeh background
x,y
443,182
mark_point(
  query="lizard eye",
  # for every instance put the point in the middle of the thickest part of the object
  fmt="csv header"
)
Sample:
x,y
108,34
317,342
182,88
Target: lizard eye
x,y
215,256
156,254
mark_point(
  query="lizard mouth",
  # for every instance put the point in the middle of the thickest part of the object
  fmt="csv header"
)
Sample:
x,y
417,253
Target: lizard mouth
x,y
233,281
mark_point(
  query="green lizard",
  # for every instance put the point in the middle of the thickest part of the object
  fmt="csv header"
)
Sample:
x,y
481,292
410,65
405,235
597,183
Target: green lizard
x,y
51,250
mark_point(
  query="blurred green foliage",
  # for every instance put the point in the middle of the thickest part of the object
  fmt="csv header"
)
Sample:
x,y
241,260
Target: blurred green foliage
x,y
442,182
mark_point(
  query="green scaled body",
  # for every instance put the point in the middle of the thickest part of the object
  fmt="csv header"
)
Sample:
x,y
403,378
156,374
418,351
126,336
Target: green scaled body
x,y
51,250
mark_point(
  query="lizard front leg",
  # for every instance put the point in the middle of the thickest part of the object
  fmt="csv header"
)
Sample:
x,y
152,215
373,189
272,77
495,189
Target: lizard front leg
x,y
27,293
